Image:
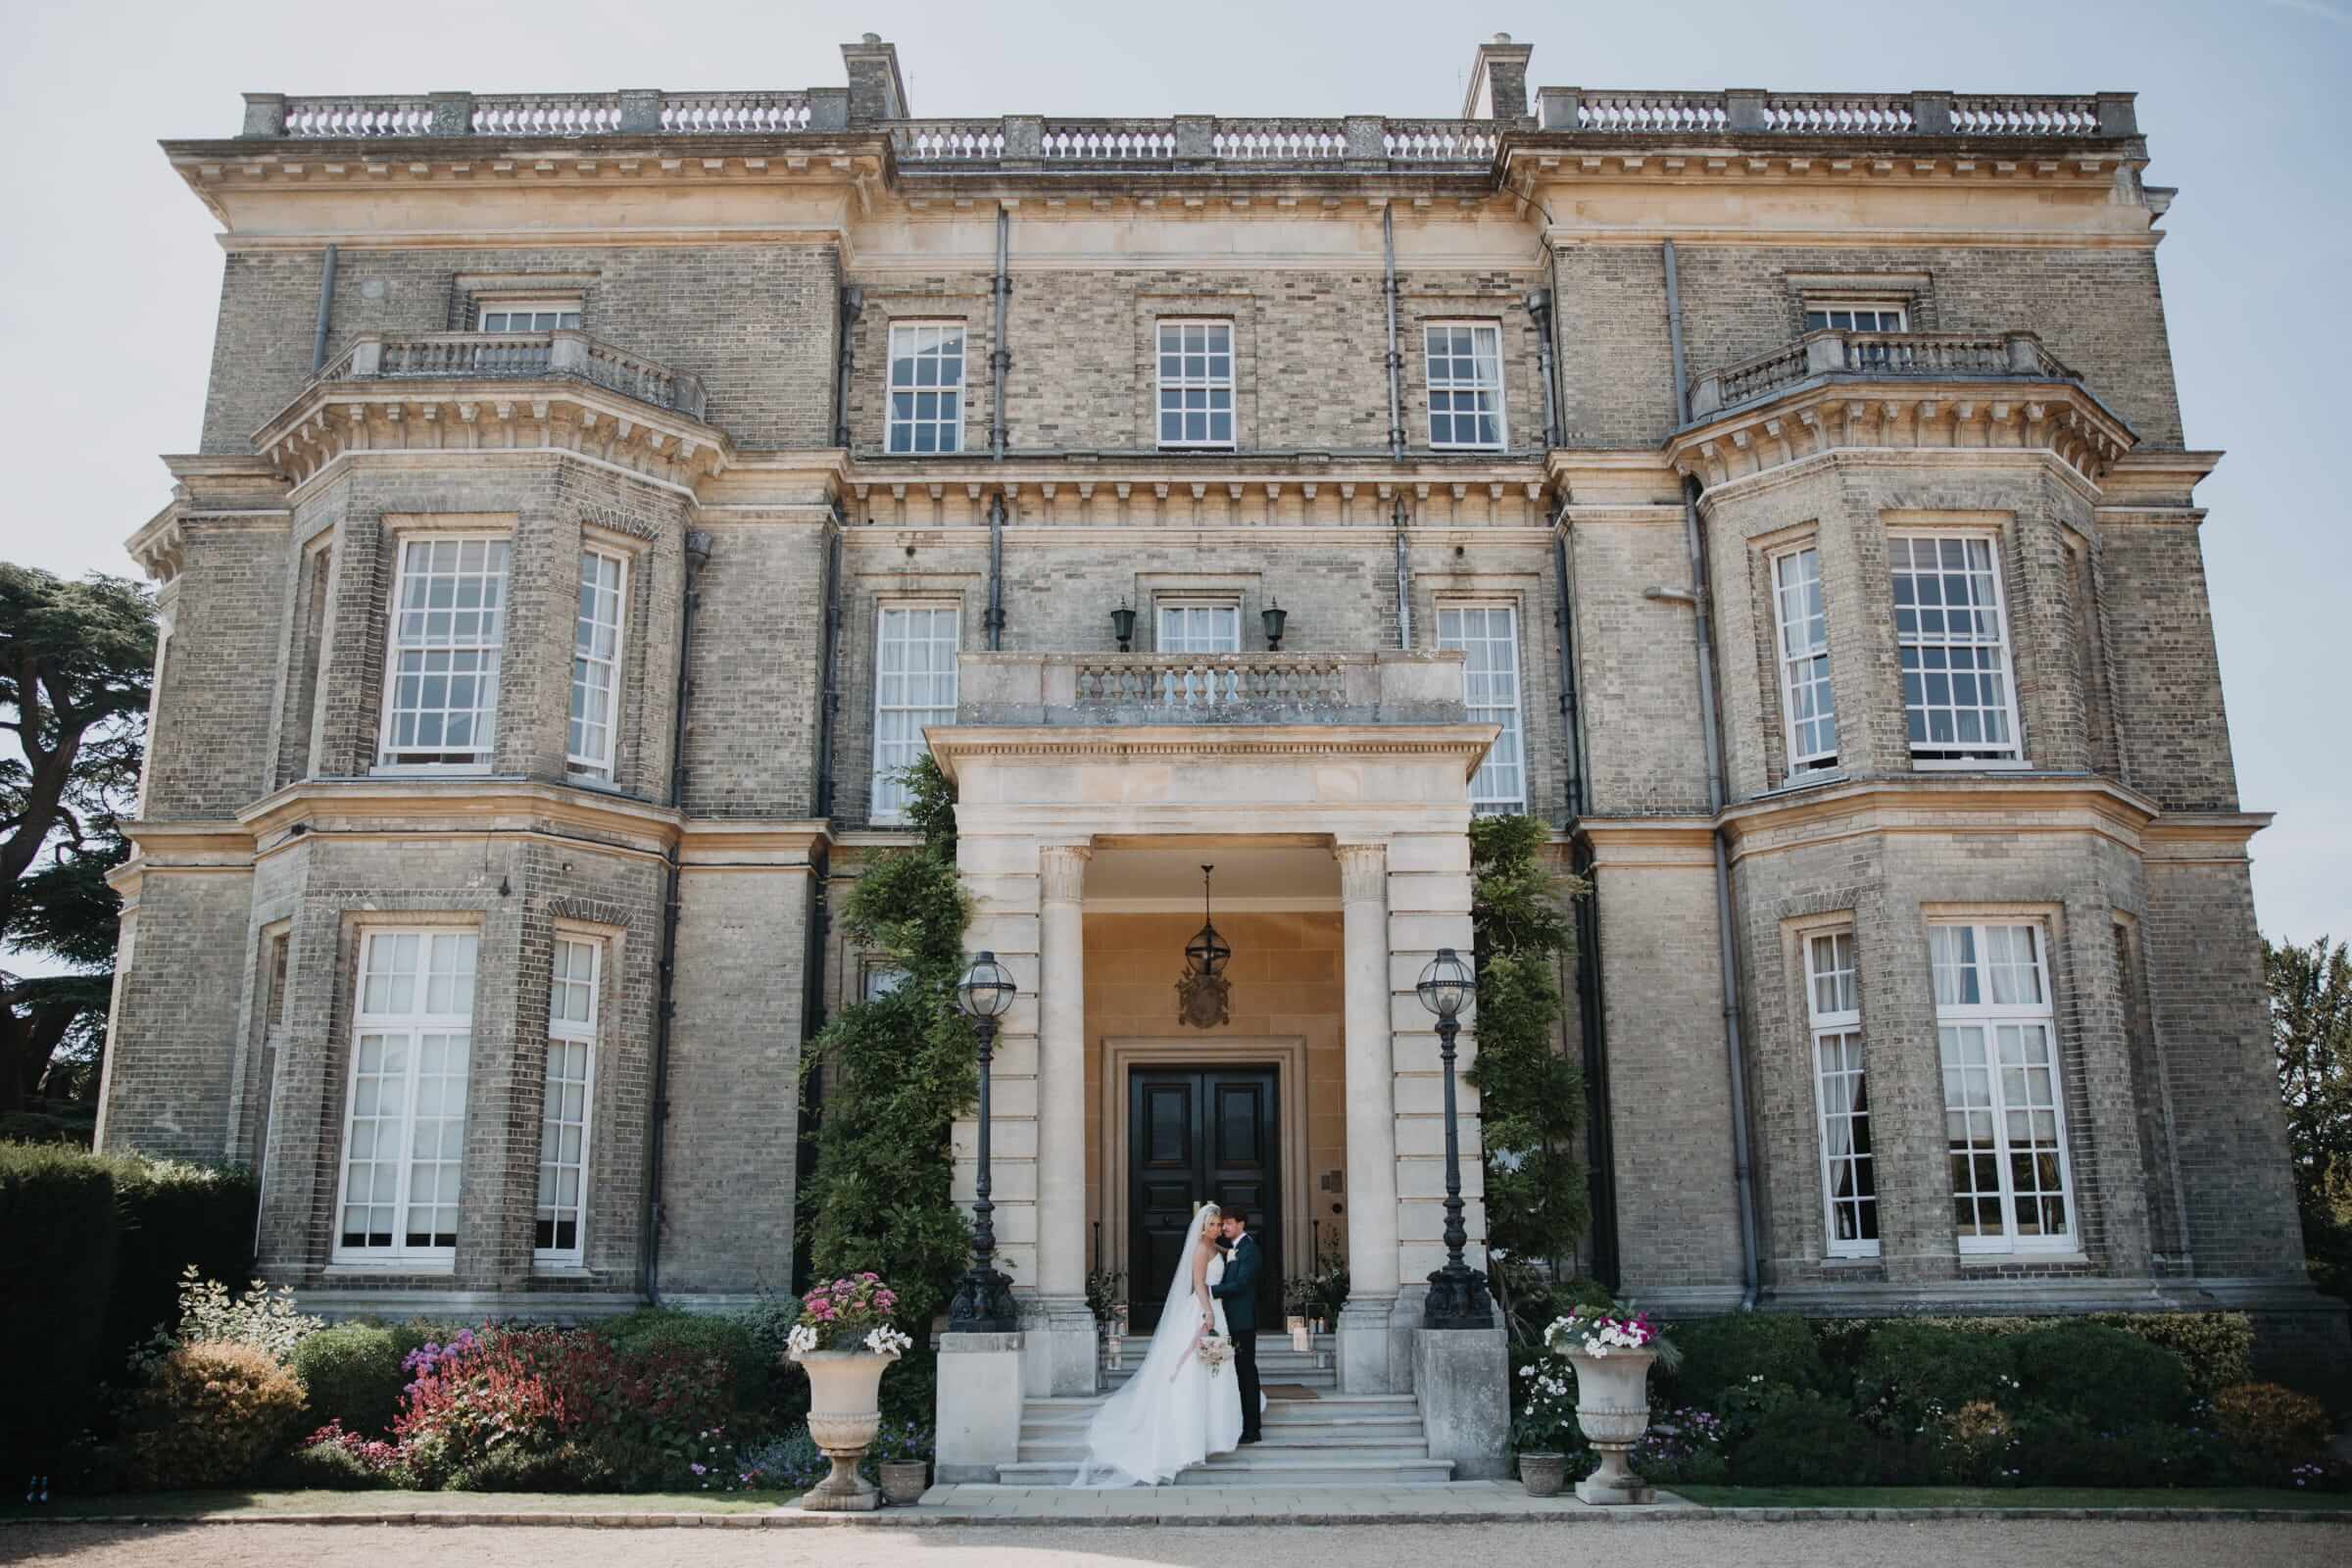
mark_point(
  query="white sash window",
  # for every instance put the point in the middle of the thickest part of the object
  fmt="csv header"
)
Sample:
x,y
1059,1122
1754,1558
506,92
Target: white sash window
x,y
404,1129
914,685
1848,1174
2004,1117
1488,635
441,671
559,1222
1951,629
596,664
1810,707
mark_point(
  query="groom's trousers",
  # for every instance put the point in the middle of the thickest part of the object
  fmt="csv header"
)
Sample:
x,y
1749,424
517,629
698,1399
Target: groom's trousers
x,y
1244,1368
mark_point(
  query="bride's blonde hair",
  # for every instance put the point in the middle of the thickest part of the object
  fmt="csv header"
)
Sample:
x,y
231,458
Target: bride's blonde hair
x,y
1210,1215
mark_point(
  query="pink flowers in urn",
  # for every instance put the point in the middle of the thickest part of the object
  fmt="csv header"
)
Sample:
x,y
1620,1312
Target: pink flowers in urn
x,y
850,1313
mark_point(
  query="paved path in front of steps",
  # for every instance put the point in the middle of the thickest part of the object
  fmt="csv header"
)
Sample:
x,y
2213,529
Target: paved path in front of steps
x,y
1669,1543
1453,1499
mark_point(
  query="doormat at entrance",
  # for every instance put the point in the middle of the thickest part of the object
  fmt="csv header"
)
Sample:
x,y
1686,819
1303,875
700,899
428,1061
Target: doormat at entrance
x,y
1290,1391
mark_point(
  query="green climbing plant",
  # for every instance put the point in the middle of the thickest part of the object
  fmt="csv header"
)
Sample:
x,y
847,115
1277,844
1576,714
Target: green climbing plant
x,y
901,1067
1530,1092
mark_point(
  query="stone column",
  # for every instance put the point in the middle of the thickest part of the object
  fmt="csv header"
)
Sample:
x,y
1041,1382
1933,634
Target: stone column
x,y
1062,1347
1364,1340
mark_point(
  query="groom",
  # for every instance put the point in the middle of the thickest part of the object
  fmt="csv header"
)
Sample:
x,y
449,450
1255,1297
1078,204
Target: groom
x,y
1238,1292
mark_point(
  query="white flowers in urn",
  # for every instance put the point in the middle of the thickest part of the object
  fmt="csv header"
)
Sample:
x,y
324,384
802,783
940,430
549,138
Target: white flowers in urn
x,y
889,1342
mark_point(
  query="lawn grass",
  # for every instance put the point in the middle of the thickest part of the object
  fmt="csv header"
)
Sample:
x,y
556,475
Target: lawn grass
x,y
2010,1498
193,1504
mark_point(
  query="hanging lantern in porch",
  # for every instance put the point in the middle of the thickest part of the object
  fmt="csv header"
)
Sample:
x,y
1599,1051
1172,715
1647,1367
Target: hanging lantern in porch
x,y
1203,993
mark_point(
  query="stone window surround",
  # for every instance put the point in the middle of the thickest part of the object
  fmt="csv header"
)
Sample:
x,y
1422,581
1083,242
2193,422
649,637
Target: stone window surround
x,y
1167,600
363,929
883,604
2073,1119
864,595
1914,292
471,293
1445,600
1799,934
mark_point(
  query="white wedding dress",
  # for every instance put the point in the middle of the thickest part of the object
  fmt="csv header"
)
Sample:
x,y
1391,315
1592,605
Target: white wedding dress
x,y
1175,1410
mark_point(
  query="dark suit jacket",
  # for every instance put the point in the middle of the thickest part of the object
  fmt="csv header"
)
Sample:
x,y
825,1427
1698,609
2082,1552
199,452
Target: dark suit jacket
x,y
1238,1290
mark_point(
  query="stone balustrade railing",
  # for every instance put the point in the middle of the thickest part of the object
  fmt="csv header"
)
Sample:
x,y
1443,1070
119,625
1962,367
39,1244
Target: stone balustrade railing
x,y
1044,688
518,357
1742,109
1359,140
1926,356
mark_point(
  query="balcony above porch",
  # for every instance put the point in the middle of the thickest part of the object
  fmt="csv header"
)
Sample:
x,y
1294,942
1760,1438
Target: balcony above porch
x,y
1138,689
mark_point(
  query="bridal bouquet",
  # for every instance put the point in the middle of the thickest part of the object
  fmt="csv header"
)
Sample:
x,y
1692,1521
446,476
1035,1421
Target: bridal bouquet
x,y
1215,1350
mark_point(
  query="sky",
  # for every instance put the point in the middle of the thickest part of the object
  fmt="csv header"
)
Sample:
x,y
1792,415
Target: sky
x,y
109,271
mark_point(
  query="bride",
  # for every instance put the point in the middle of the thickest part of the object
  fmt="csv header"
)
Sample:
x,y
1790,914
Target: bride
x,y
1176,1410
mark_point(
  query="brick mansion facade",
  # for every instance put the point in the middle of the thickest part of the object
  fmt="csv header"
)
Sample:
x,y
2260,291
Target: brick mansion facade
x,y
1785,496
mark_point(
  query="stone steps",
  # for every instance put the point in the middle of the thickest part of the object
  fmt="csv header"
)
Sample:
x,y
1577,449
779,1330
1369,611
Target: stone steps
x,y
1251,1468
1333,1441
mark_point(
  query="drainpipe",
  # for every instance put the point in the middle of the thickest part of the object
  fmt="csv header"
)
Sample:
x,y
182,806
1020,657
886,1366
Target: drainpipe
x,y
852,305
1735,1055
993,620
1388,258
326,299
1538,306
1600,1150
1001,358
1405,585
820,794
649,1218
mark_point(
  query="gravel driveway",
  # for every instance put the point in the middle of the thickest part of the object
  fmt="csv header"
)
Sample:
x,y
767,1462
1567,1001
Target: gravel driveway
x,y
1928,1544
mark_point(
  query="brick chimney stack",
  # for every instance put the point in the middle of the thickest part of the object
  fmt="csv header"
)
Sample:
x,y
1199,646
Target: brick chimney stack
x,y
1498,81
875,91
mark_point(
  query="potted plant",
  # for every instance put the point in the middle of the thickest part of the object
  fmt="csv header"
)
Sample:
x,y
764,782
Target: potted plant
x,y
1611,1351
1331,1287
845,1341
902,1453
1297,1307
1105,1298
1544,1429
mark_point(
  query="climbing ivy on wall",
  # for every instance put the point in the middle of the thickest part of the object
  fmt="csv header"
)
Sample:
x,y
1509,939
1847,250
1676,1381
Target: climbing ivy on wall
x,y
902,1067
1530,1092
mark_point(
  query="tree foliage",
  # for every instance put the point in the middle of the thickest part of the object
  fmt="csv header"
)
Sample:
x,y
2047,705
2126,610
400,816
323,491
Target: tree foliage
x,y
900,1068
77,660
1530,1094
2310,1030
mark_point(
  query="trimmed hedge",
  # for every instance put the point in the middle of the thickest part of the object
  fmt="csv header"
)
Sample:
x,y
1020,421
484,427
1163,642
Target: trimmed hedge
x,y
57,1231
170,1215
352,1373
1918,1372
2102,1375
1721,1353
650,1329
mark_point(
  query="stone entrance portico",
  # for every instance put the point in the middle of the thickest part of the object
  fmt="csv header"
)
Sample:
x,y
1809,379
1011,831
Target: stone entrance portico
x,y
1364,759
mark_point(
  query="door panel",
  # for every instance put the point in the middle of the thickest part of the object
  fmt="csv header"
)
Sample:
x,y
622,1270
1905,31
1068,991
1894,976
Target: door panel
x,y
1200,1134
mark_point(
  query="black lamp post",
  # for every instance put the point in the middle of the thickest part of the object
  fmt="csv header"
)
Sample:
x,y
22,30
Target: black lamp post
x,y
1457,1292
983,1302
1272,617
1122,625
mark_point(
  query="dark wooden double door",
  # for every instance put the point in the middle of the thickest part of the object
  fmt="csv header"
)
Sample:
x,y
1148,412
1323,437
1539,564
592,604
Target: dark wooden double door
x,y
1193,1135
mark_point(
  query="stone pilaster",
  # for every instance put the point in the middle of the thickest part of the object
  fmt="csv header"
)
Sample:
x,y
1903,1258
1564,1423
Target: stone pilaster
x,y
1366,1362
1061,1351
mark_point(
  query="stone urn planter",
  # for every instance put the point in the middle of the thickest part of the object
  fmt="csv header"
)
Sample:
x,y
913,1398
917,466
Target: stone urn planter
x,y
845,1411
1612,1406
904,1481
1543,1474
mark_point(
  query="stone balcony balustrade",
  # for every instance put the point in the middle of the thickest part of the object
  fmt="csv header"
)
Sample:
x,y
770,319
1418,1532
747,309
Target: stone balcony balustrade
x,y
1149,689
476,391
1844,389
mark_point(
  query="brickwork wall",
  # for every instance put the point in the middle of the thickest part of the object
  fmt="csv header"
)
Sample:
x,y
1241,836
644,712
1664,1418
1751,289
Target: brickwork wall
x,y
1638,666
755,323
212,749
730,1173
2174,730
1309,351
169,1073
751,736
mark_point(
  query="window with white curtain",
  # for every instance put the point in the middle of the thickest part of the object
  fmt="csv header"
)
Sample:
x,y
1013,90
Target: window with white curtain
x,y
595,663
1848,1175
1810,708
914,685
1465,383
403,1127
529,316
1488,636
1951,631
559,1221
2004,1116
441,670
926,386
